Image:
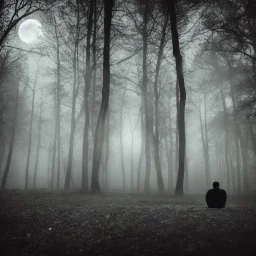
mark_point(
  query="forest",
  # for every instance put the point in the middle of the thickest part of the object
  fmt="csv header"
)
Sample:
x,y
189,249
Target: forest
x,y
117,117
127,95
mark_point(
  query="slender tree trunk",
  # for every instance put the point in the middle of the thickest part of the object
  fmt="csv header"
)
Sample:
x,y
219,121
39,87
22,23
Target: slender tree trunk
x,y
253,137
49,169
72,128
13,131
58,104
238,167
226,138
245,163
145,98
141,148
177,129
182,98
204,151
38,147
121,140
169,162
106,163
2,155
94,64
99,133
54,156
30,137
217,160
156,94
87,79
232,173
237,139
131,168
207,155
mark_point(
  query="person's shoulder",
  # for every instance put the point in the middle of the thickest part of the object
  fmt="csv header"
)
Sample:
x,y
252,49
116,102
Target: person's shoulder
x,y
223,191
210,190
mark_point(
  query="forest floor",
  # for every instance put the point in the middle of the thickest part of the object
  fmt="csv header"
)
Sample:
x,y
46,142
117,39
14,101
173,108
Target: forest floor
x,y
44,223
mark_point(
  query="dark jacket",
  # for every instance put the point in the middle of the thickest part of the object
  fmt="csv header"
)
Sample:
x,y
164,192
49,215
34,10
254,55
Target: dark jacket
x,y
216,198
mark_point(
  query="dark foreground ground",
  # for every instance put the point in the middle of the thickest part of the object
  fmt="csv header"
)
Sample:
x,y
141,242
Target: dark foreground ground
x,y
41,223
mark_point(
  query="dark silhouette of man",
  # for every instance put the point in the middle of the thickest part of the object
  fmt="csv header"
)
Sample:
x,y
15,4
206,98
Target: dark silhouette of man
x,y
216,197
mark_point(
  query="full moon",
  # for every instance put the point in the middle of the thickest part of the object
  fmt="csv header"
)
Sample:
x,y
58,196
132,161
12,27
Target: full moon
x,y
29,31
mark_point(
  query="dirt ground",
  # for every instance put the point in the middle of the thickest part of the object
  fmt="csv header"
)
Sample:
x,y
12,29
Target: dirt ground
x,y
44,223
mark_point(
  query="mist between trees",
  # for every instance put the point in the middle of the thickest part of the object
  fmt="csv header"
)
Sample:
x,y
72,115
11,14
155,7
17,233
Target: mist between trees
x,y
129,95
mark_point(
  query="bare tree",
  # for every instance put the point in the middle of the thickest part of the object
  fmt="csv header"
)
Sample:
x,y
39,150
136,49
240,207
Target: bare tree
x,y
99,133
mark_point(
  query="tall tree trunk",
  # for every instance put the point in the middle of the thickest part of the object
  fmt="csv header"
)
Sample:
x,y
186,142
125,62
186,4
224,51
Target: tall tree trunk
x,y
131,168
49,169
156,94
58,104
207,177
141,148
106,163
145,97
226,137
87,79
217,160
72,128
13,131
182,98
207,155
38,146
169,161
54,154
232,172
237,139
245,162
238,167
121,140
170,156
253,137
99,133
94,65
30,136
2,155
177,128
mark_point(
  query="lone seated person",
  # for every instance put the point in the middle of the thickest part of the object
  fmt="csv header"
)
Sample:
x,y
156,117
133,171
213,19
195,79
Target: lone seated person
x,y
216,197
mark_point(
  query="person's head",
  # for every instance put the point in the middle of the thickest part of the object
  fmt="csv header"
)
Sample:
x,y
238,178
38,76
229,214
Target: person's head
x,y
216,184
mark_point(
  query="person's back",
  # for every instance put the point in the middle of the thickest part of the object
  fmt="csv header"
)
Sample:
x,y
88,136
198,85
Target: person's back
x,y
216,197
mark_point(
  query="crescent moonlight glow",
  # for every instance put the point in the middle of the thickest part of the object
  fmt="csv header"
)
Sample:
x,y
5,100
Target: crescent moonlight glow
x,y
30,30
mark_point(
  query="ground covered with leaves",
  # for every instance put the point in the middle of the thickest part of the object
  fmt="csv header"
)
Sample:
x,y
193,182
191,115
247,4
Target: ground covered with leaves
x,y
44,223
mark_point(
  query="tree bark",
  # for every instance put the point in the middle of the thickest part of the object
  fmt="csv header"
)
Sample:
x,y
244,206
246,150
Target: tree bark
x,y
121,141
207,156
95,65
54,153
141,148
203,137
237,140
106,164
58,104
72,128
99,133
182,99
13,131
87,80
49,169
131,168
226,137
145,98
156,94
38,146
30,136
